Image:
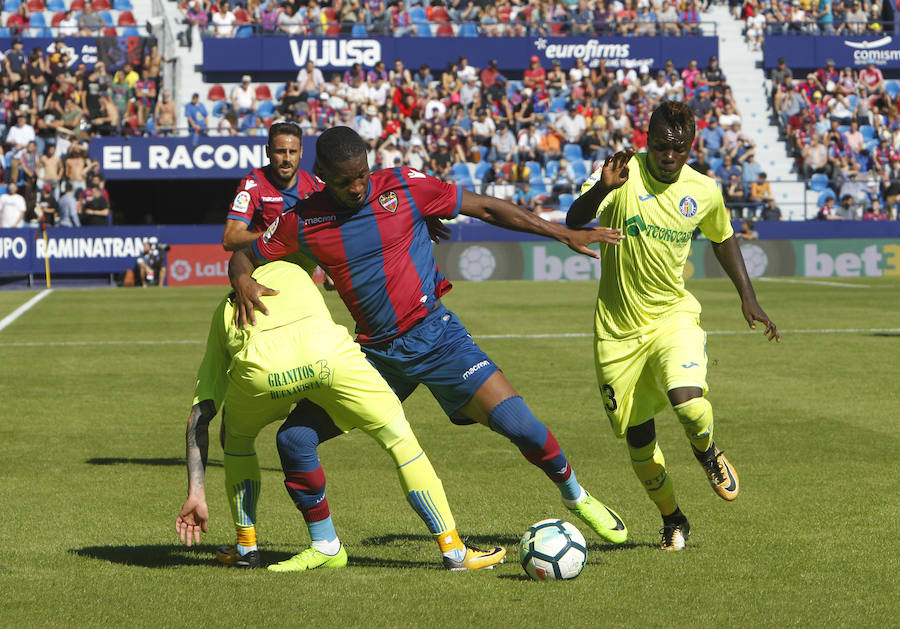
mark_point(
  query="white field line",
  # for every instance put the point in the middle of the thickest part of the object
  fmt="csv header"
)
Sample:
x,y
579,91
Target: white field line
x,y
813,282
568,335
18,312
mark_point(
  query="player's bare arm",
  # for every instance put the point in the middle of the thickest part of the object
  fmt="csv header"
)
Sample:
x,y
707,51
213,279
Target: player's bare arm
x,y
247,291
509,216
194,515
236,235
613,175
728,253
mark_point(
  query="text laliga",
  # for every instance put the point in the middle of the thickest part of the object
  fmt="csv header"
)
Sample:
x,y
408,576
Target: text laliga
x,y
203,157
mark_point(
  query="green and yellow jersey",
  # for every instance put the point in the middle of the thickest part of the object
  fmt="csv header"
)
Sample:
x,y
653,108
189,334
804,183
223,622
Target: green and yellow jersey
x,y
642,278
298,299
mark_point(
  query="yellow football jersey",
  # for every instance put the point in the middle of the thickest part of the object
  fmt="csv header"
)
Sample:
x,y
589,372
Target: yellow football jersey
x,y
298,298
642,278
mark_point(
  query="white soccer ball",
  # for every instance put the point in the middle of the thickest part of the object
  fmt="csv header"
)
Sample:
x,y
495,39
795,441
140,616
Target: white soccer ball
x,y
477,263
551,550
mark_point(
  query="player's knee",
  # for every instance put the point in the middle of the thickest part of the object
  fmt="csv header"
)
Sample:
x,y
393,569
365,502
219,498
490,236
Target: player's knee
x,y
297,447
695,416
397,438
642,435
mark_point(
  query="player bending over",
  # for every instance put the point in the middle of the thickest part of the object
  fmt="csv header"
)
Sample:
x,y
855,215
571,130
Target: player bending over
x,y
647,326
260,372
369,231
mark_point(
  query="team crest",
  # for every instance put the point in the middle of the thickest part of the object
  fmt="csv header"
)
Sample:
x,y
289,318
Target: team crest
x,y
389,201
688,207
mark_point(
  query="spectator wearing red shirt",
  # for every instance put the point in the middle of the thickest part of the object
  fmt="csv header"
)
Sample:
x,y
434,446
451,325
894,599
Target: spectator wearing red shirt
x,y
145,97
871,78
489,74
828,73
535,76
875,213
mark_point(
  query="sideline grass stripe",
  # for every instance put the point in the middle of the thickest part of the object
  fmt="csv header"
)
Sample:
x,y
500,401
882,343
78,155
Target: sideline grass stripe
x,y
18,312
572,335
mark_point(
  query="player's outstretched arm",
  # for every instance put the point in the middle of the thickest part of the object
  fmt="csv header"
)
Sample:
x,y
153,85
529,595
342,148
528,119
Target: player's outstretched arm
x,y
728,253
505,214
614,175
194,515
247,291
236,235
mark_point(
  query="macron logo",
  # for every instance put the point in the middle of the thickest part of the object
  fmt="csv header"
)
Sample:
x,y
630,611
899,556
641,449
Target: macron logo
x,y
474,368
249,185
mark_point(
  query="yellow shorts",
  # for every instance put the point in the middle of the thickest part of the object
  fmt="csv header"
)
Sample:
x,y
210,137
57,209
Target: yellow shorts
x,y
312,359
635,374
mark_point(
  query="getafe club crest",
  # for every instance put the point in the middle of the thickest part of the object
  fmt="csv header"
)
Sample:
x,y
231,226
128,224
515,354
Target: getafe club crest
x,y
688,207
389,201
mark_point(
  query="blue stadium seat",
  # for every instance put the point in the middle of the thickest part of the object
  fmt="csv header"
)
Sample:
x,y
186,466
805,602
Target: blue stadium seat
x,y
37,20
266,108
4,32
133,31
827,193
56,5
818,182
219,108
150,127
852,98
538,188
844,128
572,152
580,170
535,170
122,5
714,163
468,29
868,132
565,201
481,170
559,103
419,19
279,91
461,174
11,6
552,170
359,30
3,188
243,32
892,88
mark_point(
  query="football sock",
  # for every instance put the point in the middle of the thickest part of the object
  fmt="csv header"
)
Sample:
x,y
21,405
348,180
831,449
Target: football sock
x,y
696,417
242,479
303,475
673,518
423,488
451,545
650,466
514,420
246,539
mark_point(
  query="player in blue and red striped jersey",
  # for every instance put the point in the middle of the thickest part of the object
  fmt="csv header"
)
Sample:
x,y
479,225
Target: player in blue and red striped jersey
x,y
369,231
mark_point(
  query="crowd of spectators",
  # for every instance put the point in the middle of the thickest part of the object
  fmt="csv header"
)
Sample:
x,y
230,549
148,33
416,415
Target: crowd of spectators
x,y
400,18
812,17
843,129
50,108
68,18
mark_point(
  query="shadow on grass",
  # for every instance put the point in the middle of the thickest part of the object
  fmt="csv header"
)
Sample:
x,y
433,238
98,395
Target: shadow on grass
x,y
159,462
152,555
895,335
400,539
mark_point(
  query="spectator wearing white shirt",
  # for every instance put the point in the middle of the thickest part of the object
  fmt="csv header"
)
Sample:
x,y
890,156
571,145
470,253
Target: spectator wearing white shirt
x,y
379,92
655,90
310,79
358,92
571,124
389,155
243,97
500,188
434,108
223,20
415,156
289,23
370,127
12,208
68,26
20,135
465,72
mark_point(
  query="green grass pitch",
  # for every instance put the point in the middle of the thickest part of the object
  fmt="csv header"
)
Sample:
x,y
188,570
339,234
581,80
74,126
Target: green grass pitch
x,y
95,387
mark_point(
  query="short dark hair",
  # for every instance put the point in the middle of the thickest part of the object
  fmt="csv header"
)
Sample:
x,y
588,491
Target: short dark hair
x,y
285,128
339,144
675,115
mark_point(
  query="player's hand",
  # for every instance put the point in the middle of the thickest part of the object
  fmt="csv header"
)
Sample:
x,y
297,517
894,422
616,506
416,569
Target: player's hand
x,y
437,231
247,293
193,519
579,239
753,313
615,170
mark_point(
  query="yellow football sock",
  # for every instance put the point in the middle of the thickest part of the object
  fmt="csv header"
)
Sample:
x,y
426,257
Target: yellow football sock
x,y
242,479
423,488
246,536
650,466
449,541
696,417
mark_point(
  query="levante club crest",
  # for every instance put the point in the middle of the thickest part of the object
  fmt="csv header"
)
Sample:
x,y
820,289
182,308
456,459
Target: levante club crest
x,y
389,201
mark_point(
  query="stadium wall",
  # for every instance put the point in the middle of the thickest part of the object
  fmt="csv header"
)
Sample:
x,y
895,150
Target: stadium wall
x,y
847,52
475,253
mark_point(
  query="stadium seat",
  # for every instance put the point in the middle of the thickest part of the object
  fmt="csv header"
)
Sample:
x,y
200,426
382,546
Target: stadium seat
x,y
580,170
107,17
445,30
122,5
110,31
868,132
419,19
359,30
263,92
101,5
216,92
5,32
265,108
827,193
38,25
57,18
150,127
56,5
538,188
468,29
818,182
130,31
3,188
892,88
462,175
279,91
559,103
552,169
714,163
572,152
11,6
35,5
219,109
565,201
243,32
126,18
334,27
844,128
535,171
77,6
481,170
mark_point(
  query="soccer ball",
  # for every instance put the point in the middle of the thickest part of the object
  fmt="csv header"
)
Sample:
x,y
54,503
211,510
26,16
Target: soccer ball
x,y
477,263
552,549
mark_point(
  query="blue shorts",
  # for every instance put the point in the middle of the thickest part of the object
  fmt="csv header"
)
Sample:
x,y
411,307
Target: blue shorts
x,y
439,353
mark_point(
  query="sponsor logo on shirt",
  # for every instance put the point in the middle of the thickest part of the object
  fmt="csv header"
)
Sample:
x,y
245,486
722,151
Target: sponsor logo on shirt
x,y
389,201
269,232
635,226
688,207
272,199
316,220
241,202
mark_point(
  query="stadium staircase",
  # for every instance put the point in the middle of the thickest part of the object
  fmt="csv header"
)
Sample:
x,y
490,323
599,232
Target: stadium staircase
x,y
188,75
743,68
